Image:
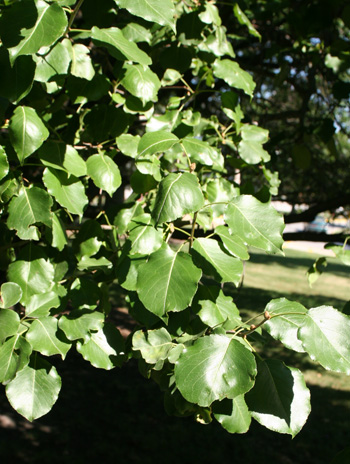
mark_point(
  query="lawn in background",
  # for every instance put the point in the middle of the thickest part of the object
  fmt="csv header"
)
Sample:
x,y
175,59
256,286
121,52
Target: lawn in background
x,y
118,416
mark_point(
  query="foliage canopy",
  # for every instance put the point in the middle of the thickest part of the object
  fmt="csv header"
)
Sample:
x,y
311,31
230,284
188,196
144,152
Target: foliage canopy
x,y
148,97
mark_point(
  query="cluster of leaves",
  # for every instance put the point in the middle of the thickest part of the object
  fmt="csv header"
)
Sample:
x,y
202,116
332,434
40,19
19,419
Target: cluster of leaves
x,y
96,102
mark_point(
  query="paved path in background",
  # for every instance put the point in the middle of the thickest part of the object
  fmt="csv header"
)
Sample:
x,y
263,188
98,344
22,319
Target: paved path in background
x,y
308,247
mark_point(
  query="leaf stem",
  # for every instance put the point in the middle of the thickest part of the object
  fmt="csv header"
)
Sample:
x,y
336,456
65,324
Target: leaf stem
x,y
193,228
73,15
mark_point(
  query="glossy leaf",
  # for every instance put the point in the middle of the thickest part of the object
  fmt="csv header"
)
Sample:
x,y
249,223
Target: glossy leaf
x,y
325,336
340,252
252,152
232,243
14,356
39,305
35,389
199,151
233,415
213,368
118,46
27,132
104,349
79,324
140,82
4,165
214,261
81,62
69,192
280,399
234,76
104,172
242,18
10,294
32,206
49,24
16,81
158,11
178,194
145,238
153,344
155,142
43,337
168,281
257,224
286,319
59,237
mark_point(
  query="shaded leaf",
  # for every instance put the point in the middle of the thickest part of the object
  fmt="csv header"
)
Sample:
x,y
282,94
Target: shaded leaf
x,y
63,157
153,344
39,305
14,356
224,309
280,399
145,238
79,324
232,243
314,272
9,323
15,81
55,63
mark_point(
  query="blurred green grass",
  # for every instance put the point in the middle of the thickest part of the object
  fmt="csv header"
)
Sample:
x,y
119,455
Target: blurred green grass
x,y
118,416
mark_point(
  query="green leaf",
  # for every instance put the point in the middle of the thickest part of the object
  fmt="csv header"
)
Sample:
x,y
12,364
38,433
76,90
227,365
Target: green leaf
x,y
178,194
251,133
325,336
10,294
81,62
280,399
137,33
286,319
9,323
4,164
234,76
153,344
89,240
14,356
128,144
105,348
252,152
35,389
15,81
32,206
141,82
59,237
158,11
232,243
52,64
39,305
63,157
127,270
224,309
210,15
42,335
69,192
257,224
104,172
242,19
145,238
27,132
199,151
118,46
340,252
213,368
168,281
32,272
155,142
79,324
314,272
233,415
46,23
212,259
